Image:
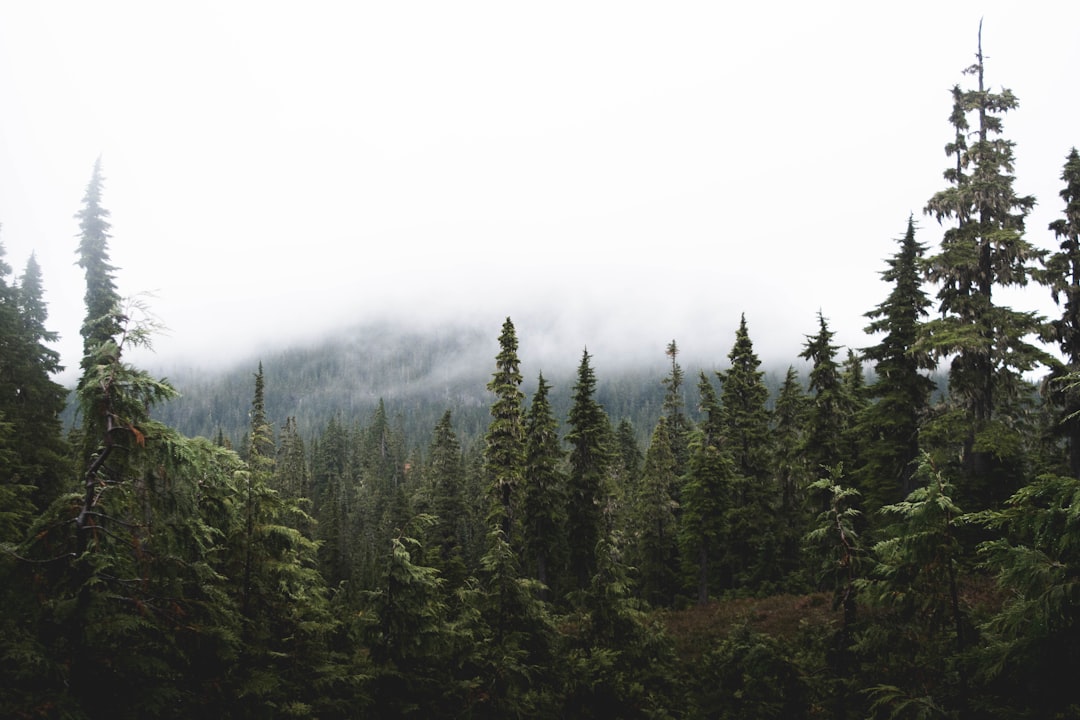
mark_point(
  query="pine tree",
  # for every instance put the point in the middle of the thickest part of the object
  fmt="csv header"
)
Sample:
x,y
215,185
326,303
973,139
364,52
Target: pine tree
x,y
505,451
544,494
889,426
1062,274
590,458
983,251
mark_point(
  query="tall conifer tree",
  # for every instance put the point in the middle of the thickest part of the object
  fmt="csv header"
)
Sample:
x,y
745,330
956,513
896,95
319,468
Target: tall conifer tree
x,y
707,497
590,457
654,522
544,495
889,427
984,250
679,425
1062,274
827,417
504,454
103,319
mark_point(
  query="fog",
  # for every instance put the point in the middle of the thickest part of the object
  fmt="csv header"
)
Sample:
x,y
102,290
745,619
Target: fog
x,y
609,175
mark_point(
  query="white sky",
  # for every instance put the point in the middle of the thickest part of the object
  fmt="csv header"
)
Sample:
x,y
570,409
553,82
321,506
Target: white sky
x,y
608,174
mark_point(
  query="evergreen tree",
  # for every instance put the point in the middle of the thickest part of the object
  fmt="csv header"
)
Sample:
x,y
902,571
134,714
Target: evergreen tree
x,y
653,546
334,504
445,480
103,319
744,409
745,424
411,642
920,645
679,425
827,417
40,400
835,541
889,426
791,472
1031,655
505,451
20,444
544,495
706,497
618,660
1062,274
590,458
514,660
628,457
983,251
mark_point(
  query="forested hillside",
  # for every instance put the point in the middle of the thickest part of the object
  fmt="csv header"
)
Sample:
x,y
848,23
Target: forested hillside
x,y
401,525
415,375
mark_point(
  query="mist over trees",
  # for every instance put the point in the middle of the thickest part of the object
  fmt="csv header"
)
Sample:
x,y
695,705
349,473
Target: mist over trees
x,y
424,532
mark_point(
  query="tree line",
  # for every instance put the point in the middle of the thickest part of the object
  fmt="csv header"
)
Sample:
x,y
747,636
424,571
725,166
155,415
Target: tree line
x,y
548,567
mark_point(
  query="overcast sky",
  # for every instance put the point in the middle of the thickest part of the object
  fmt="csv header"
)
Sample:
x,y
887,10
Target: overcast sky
x,y
608,174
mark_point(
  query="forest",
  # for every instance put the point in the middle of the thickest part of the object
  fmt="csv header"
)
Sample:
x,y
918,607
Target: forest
x,y
891,531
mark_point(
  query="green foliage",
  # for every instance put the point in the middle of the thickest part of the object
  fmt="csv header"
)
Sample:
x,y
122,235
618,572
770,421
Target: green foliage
x,y
590,458
1062,275
619,662
544,497
985,250
1032,654
923,639
514,663
707,494
888,428
749,675
654,523
410,641
505,449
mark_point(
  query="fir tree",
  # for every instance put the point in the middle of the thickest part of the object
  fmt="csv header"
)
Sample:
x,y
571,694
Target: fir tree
x,y
745,421
706,497
653,546
791,472
590,458
41,400
445,481
505,451
984,250
103,320
679,425
544,494
1062,274
1031,655
889,426
828,417
743,409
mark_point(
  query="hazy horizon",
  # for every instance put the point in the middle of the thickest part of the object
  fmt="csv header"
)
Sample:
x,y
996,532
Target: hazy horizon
x,y
610,176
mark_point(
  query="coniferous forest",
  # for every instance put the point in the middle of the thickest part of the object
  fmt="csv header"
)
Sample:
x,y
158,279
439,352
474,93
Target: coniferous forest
x,y
888,531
